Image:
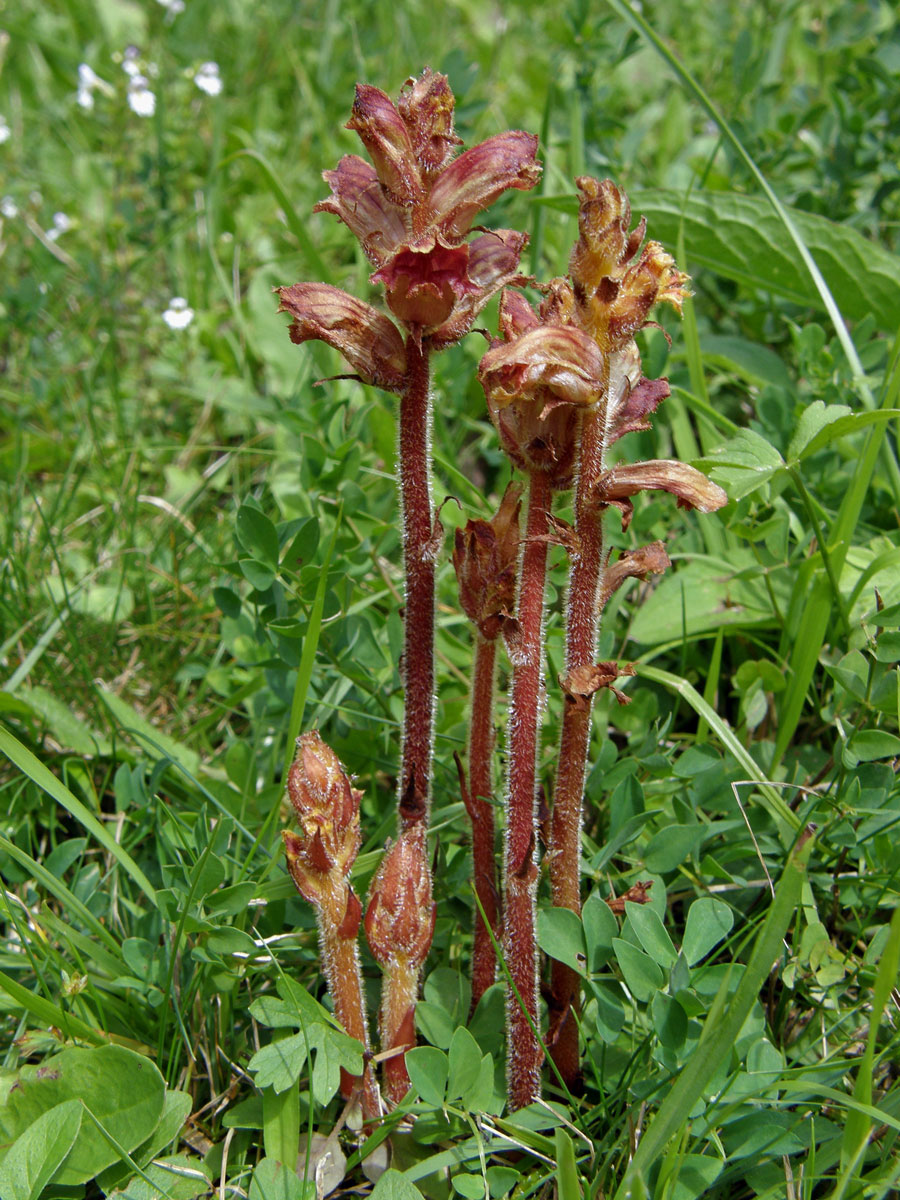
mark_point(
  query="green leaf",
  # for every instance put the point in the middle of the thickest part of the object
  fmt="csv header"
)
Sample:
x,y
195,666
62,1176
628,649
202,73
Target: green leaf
x,y
600,927
743,238
560,934
150,738
124,1091
669,1020
695,1174
743,464
464,1064
257,535
821,424
670,847
176,1110
301,550
67,729
871,744
36,1155
279,1064
429,1069
273,1180
258,574
31,766
393,1185
642,975
651,933
708,922
567,1185
723,1024
757,363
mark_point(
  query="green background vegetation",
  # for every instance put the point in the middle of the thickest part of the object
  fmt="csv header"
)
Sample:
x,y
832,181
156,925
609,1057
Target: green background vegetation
x,y
199,551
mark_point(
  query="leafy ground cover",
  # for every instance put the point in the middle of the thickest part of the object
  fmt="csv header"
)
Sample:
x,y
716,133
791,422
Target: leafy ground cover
x,y
200,556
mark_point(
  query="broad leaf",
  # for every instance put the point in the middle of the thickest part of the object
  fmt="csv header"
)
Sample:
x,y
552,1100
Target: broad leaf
x,y
123,1090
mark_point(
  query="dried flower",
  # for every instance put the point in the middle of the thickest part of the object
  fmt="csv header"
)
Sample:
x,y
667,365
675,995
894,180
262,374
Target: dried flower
x,y
485,557
614,291
538,381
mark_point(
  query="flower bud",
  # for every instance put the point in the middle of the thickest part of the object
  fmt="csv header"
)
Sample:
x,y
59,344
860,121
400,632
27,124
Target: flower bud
x,y
327,808
400,917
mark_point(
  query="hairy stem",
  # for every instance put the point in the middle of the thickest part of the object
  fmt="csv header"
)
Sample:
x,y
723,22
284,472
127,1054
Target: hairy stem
x,y
418,557
520,882
340,959
582,619
396,1025
481,814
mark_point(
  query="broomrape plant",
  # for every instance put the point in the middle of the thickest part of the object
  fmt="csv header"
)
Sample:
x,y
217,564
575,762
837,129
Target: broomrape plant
x,y
563,384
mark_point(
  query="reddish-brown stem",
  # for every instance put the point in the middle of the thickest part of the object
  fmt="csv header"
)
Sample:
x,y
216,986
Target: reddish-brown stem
x,y
582,619
418,557
399,989
340,960
481,814
520,880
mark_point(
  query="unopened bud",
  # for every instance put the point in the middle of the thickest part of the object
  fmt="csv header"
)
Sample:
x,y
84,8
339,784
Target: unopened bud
x,y
400,917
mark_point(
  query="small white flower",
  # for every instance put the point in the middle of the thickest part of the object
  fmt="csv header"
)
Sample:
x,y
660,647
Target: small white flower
x,y
87,78
61,224
5,131
130,63
172,7
208,78
85,98
178,315
140,99
8,208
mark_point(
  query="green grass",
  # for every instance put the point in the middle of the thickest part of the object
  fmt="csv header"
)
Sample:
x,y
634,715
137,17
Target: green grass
x,y
199,552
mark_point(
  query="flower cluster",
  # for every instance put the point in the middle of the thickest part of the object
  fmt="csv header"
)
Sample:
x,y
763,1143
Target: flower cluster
x,y
412,209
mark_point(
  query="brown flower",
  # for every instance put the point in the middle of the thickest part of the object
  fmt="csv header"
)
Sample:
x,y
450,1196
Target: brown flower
x,y
414,206
485,558
538,381
614,290
371,344
691,488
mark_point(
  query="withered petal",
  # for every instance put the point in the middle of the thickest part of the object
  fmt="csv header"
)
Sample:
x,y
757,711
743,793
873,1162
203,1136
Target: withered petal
x,y
691,488
651,559
371,344
516,315
426,104
475,179
359,200
384,134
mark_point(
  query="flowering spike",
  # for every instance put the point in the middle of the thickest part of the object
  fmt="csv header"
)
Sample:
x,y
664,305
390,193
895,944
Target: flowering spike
x,y
319,859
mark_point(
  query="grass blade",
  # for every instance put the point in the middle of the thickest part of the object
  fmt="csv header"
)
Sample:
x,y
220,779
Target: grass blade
x,y
772,802
22,757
